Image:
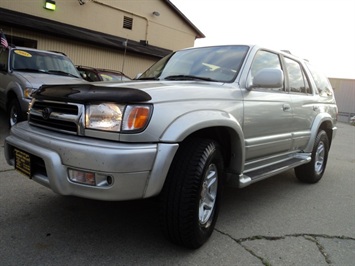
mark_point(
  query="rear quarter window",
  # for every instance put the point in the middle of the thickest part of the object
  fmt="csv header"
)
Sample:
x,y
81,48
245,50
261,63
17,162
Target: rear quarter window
x,y
321,81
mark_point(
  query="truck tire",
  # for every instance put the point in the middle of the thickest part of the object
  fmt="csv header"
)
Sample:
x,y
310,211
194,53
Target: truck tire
x,y
192,192
14,112
313,171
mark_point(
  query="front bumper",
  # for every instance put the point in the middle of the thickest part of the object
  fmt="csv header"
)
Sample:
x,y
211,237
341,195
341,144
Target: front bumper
x,y
136,170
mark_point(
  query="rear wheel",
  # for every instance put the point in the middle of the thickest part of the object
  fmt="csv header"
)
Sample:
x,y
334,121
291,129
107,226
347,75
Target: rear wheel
x,y
313,171
192,192
14,112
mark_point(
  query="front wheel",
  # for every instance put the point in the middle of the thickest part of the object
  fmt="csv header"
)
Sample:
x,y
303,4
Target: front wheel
x,y
192,192
14,112
313,171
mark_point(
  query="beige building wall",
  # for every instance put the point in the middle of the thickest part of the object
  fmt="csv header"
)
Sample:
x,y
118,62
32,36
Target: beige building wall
x,y
167,30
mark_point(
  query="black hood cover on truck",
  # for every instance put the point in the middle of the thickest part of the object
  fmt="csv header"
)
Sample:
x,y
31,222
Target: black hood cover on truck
x,y
88,93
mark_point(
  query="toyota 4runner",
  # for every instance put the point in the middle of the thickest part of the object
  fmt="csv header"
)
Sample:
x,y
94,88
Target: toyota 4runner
x,y
196,120
23,70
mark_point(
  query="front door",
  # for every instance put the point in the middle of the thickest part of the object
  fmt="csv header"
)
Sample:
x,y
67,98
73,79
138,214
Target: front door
x,y
267,114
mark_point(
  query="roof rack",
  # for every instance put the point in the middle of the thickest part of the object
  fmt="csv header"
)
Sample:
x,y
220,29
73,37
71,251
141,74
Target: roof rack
x,y
286,51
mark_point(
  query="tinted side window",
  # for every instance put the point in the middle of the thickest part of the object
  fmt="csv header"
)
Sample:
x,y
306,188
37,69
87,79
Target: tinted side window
x,y
296,78
321,81
264,59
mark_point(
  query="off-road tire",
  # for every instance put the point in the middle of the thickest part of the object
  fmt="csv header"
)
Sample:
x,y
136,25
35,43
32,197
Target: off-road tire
x,y
14,112
194,181
313,171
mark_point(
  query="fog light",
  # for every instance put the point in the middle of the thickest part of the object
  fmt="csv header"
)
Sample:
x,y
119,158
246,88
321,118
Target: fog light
x,y
82,177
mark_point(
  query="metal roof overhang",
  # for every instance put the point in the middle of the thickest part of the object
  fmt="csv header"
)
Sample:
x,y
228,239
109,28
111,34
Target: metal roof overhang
x,y
199,34
28,22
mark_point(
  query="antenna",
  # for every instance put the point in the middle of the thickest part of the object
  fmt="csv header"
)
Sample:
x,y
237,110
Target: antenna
x,y
124,54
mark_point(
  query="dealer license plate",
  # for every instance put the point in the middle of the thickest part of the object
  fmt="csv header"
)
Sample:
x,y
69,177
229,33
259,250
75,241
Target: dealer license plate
x,y
23,162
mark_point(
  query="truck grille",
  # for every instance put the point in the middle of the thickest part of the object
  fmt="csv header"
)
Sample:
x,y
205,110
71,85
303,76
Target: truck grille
x,y
63,117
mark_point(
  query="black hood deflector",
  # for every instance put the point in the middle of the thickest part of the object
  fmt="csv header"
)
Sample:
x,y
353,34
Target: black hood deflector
x,y
88,93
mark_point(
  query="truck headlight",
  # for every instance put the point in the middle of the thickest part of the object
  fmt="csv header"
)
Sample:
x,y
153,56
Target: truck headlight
x,y
117,117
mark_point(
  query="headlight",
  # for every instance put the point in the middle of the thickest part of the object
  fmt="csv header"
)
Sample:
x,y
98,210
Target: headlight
x,y
116,117
104,116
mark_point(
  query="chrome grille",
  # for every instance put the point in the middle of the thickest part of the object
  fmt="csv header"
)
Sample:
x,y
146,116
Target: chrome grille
x,y
58,116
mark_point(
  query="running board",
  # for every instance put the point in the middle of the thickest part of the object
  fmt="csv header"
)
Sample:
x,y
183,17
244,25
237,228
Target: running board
x,y
271,170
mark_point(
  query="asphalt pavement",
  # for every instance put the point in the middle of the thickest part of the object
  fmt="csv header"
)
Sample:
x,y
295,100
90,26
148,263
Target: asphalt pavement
x,y
278,221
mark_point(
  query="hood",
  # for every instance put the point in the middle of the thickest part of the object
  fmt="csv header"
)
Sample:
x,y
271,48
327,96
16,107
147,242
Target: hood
x,y
137,91
85,93
36,80
166,91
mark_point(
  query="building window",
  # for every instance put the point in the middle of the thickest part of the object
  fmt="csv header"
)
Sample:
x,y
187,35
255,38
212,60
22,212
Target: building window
x,y
19,41
127,23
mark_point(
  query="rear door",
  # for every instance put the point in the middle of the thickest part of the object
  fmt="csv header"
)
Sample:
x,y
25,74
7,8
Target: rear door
x,y
304,103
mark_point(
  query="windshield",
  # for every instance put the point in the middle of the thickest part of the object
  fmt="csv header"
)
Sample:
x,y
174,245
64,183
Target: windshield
x,y
111,76
220,64
37,61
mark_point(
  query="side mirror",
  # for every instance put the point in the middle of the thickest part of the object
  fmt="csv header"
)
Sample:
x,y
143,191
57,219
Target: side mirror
x,y
268,78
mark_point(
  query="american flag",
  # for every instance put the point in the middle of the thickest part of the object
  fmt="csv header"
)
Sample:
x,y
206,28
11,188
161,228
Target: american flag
x,y
4,42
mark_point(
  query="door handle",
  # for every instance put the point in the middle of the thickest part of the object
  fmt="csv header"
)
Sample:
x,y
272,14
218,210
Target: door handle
x,y
316,108
286,107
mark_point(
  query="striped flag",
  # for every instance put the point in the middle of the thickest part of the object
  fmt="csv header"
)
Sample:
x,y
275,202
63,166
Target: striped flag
x,y
4,42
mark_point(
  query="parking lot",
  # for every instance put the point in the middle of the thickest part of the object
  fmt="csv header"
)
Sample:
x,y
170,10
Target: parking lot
x,y
278,221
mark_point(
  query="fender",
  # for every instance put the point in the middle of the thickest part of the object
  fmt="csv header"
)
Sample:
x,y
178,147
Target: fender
x,y
318,121
194,121
15,88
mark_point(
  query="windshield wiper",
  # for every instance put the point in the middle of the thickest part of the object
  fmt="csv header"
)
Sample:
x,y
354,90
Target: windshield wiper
x,y
188,77
63,73
28,70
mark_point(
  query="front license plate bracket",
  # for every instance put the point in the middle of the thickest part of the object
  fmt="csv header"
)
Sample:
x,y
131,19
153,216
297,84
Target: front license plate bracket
x,y
23,163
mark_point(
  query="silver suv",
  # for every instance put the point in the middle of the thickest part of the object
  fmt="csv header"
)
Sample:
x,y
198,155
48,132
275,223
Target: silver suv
x,y
195,121
23,70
